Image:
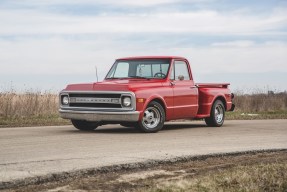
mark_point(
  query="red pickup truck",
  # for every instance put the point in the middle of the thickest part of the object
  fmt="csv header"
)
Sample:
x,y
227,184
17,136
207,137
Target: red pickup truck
x,y
144,92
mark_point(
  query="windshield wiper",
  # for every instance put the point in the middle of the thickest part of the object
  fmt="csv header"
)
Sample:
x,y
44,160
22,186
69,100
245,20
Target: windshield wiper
x,y
138,77
114,77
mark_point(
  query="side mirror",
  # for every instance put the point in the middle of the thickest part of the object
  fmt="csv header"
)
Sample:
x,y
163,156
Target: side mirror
x,y
180,77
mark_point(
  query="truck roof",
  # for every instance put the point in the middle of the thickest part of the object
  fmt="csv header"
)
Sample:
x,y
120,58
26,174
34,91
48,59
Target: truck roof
x,y
151,57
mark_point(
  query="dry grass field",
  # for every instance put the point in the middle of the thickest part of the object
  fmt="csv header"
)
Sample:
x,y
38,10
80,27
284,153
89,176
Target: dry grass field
x,y
36,108
28,109
260,106
251,171
28,104
260,102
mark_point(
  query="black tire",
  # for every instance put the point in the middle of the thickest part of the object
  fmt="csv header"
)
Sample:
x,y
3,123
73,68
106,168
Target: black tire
x,y
85,125
217,115
153,119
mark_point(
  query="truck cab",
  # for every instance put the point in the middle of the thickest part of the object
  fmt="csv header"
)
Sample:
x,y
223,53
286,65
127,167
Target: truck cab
x,y
144,92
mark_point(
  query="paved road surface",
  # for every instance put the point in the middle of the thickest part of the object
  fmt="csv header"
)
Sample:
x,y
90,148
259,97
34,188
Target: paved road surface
x,y
36,151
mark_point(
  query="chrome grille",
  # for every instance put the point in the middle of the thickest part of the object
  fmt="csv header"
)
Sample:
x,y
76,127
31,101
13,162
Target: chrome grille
x,y
96,105
97,100
95,95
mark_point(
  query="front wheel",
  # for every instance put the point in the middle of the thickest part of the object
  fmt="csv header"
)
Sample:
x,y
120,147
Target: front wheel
x,y
85,125
217,115
153,119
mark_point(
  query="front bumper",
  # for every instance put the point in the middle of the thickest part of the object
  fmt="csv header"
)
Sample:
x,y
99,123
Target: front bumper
x,y
130,116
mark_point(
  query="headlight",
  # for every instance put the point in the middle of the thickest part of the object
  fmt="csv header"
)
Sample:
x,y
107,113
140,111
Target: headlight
x,y
65,100
127,101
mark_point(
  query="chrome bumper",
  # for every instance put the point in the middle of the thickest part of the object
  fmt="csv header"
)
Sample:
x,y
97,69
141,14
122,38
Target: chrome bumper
x,y
100,115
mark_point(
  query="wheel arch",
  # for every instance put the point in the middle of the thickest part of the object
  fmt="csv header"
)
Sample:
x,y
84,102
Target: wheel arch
x,y
157,99
161,102
221,98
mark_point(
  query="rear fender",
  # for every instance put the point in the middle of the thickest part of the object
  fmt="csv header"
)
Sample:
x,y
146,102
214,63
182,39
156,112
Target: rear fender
x,y
206,99
221,98
227,101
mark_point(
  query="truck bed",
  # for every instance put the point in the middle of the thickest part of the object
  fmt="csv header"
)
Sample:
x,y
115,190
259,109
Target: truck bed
x,y
212,85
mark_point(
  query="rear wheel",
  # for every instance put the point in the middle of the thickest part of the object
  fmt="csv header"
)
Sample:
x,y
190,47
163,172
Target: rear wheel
x,y
153,119
217,115
85,125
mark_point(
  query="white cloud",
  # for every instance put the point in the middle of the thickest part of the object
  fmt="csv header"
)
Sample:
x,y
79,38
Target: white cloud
x,y
53,56
74,61
131,3
41,42
244,43
17,22
254,58
58,56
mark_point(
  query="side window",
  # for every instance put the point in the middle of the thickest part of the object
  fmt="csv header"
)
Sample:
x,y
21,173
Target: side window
x,y
181,69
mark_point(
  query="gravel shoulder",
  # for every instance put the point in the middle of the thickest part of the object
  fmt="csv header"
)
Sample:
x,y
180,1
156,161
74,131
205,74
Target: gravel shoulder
x,y
147,176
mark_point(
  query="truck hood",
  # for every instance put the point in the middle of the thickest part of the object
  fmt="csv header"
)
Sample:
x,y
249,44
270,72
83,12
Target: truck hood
x,y
116,85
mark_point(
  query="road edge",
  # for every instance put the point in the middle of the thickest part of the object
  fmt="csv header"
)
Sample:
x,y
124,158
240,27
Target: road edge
x,y
66,176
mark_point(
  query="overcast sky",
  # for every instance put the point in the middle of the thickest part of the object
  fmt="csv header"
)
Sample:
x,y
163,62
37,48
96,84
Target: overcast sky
x,y
45,45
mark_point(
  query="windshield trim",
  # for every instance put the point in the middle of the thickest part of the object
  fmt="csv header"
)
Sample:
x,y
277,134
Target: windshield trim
x,y
139,77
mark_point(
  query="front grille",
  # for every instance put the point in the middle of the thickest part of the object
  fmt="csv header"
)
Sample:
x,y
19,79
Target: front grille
x,y
96,105
99,100
95,95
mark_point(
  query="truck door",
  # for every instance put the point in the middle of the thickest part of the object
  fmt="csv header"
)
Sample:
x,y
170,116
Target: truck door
x,y
185,94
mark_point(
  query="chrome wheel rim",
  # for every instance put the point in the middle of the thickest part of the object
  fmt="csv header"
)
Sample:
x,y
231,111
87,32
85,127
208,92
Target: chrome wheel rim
x,y
151,117
219,113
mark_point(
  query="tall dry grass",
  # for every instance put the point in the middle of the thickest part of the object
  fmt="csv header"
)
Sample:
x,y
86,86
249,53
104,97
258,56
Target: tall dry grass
x,y
31,104
27,104
261,102
254,177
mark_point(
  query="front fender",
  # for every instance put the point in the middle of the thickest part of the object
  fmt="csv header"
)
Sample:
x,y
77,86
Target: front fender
x,y
142,106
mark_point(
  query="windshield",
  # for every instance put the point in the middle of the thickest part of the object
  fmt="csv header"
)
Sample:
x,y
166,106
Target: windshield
x,y
148,68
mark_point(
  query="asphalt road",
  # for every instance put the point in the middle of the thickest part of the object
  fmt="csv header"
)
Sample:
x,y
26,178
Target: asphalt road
x,y
37,151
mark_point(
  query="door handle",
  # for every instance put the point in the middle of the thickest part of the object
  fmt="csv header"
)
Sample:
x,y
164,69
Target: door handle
x,y
172,83
192,87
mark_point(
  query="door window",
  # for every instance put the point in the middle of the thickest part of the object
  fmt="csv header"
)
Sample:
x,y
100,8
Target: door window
x,y
180,70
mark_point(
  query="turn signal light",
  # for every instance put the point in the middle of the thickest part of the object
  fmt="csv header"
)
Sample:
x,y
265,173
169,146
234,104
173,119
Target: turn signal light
x,y
140,100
